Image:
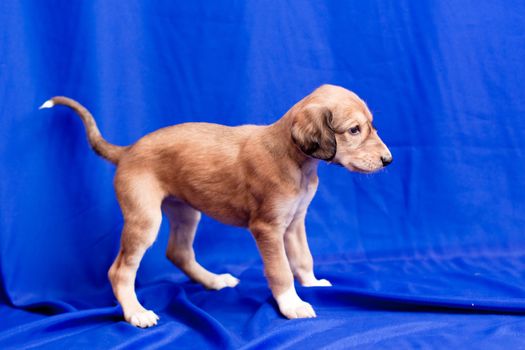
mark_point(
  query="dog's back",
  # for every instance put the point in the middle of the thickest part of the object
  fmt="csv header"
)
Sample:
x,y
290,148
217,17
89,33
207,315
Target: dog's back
x,y
197,163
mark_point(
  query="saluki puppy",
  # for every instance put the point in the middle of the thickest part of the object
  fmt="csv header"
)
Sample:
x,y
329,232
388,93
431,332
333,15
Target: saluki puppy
x,y
259,177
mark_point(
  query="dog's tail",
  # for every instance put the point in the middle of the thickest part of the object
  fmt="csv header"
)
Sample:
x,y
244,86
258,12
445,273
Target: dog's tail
x,y
101,147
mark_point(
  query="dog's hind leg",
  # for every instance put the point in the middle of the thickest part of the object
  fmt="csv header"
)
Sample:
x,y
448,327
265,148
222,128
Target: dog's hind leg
x,y
183,225
140,201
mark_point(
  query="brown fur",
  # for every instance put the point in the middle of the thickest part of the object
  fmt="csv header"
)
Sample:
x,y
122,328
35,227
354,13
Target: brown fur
x,y
260,177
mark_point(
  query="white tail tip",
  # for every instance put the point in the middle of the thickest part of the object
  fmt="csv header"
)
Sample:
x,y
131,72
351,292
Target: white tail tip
x,y
47,104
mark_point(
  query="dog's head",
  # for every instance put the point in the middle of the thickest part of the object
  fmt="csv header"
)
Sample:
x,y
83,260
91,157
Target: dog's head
x,y
335,125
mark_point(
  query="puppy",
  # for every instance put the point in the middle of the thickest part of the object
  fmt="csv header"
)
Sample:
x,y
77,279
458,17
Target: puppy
x,y
259,177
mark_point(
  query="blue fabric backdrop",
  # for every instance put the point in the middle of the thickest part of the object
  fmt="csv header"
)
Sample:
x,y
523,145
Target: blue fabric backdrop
x,y
428,253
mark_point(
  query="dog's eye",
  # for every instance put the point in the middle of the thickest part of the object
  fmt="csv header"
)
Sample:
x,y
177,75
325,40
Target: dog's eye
x,y
355,130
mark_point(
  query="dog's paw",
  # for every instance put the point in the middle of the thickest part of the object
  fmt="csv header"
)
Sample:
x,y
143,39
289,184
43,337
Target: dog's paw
x,y
144,319
299,310
222,281
317,283
291,306
309,280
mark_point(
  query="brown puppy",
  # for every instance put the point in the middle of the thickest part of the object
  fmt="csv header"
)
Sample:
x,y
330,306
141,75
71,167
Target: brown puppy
x,y
260,177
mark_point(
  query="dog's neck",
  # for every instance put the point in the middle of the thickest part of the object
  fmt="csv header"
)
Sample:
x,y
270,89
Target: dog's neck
x,y
281,128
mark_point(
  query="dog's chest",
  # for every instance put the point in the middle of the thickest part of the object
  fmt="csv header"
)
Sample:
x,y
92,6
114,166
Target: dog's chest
x,y
290,207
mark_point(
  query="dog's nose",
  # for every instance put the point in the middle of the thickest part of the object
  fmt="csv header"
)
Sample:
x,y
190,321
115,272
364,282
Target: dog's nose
x,y
386,160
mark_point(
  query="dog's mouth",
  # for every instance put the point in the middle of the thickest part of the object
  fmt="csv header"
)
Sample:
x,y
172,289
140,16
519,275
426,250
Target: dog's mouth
x,y
360,170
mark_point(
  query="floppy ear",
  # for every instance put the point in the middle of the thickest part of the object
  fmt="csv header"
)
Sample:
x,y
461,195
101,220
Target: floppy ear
x,y
312,132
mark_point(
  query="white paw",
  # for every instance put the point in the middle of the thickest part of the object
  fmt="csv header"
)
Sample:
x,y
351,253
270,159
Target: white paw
x,y
144,319
291,306
300,310
309,280
222,281
317,283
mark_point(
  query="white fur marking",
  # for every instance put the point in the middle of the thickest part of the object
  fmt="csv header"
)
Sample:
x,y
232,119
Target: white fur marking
x,y
289,297
222,281
291,306
311,281
144,319
47,104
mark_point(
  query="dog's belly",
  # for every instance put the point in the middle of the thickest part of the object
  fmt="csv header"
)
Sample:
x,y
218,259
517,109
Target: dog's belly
x,y
216,191
226,214
222,211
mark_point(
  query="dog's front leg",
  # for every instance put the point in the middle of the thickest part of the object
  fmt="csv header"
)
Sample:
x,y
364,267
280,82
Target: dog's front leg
x,y
270,241
299,256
